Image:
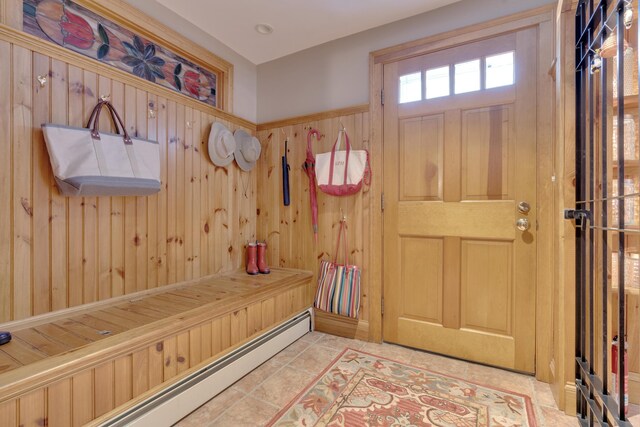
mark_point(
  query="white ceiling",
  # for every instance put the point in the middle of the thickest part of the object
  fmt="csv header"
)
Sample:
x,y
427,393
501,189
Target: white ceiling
x,y
298,24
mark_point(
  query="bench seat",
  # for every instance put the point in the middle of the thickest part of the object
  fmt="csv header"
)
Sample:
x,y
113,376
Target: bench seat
x,y
71,367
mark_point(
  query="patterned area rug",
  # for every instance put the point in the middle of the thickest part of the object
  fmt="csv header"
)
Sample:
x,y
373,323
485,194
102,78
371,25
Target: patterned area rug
x,y
360,389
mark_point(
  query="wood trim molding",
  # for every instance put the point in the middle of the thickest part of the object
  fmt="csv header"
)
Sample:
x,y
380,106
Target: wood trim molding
x,y
11,13
58,52
375,208
462,35
128,16
348,111
570,399
341,326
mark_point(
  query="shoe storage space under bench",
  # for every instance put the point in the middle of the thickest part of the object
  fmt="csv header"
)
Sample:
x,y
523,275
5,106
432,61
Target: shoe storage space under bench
x,y
71,367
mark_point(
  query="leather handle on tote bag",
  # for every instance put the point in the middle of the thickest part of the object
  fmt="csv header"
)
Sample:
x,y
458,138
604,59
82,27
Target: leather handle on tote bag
x,y
341,232
333,156
94,120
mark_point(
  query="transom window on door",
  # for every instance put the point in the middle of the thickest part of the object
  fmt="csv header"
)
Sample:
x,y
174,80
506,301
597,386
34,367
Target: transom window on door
x,y
464,77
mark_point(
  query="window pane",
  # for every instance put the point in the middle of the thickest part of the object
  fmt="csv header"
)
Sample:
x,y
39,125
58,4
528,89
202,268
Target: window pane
x,y
467,76
499,70
438,82
411,87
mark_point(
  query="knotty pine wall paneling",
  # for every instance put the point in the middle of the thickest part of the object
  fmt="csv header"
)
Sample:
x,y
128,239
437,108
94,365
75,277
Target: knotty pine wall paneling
x,y
58,252
288,230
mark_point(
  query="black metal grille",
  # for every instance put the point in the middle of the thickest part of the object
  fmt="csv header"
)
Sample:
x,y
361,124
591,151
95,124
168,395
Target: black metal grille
x,y
597,232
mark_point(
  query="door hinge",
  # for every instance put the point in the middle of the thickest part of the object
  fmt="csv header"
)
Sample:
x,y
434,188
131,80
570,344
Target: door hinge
x,y
382,202
382,306
382,97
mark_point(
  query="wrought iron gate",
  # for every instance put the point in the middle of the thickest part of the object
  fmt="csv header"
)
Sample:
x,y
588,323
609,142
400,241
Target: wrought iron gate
x,y
608,204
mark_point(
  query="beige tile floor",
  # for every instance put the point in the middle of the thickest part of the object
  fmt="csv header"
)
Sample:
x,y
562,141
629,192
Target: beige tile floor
x,y
257,397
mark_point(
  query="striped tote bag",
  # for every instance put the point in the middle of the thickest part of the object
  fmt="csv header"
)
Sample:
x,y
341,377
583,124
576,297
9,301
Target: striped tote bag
x,y
339,284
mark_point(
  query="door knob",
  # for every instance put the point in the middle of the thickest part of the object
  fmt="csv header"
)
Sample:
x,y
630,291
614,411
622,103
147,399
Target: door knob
x,y
524,207
522,224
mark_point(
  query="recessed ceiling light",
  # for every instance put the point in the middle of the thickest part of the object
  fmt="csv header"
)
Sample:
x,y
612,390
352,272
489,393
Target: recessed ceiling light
x,y
264,29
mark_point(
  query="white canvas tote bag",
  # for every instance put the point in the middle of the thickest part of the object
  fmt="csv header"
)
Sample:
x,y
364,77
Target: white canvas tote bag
x,y
341,173
87,162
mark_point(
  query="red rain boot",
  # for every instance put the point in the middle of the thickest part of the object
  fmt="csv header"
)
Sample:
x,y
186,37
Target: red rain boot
x,y
252,254
262,258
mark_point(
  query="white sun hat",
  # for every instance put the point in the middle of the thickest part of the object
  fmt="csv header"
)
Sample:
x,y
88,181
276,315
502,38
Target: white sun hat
x,y
247,150
222,145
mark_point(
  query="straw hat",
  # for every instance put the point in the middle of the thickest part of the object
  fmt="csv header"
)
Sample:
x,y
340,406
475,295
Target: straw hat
x,y
247,150
222,145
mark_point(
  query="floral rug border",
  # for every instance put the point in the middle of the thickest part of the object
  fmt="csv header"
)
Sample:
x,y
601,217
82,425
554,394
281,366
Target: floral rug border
x,y
531,418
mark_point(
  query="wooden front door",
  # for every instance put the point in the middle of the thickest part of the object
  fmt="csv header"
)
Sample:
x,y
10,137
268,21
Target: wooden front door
x,y
459,157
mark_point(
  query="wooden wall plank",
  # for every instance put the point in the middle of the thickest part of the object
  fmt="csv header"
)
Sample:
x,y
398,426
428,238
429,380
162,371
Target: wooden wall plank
x,y
123,380
152,202
9,413
90,207
195,346
161,115
41,186
32,411
217,241
216,336
238,326
181,196
156,364
205,341
268,311
59,403
140,361
196,178
82,398
22,184
141,236
131,238
117,215
205,217
188,193
254,318
182,355
6,206
104,237
172,194
59,255
103,393
170,348
74,215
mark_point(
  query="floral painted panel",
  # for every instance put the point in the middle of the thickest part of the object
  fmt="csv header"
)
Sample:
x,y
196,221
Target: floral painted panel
x,y
77,28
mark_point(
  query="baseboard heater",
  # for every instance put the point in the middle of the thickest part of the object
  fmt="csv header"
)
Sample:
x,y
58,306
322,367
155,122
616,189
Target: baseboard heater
x,y
175,402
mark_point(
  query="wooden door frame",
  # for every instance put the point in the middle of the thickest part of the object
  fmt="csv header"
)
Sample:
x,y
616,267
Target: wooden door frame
x,y
544,19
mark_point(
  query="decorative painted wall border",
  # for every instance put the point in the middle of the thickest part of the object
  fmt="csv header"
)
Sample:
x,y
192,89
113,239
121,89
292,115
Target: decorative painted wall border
x,y
76,28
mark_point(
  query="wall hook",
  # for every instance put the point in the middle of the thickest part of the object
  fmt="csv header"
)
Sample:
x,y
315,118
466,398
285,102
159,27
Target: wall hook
x,y
42,80
105,98
190,124
152,113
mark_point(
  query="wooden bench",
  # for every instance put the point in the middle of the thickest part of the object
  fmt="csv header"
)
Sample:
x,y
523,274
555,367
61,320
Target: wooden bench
x,y
72,367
